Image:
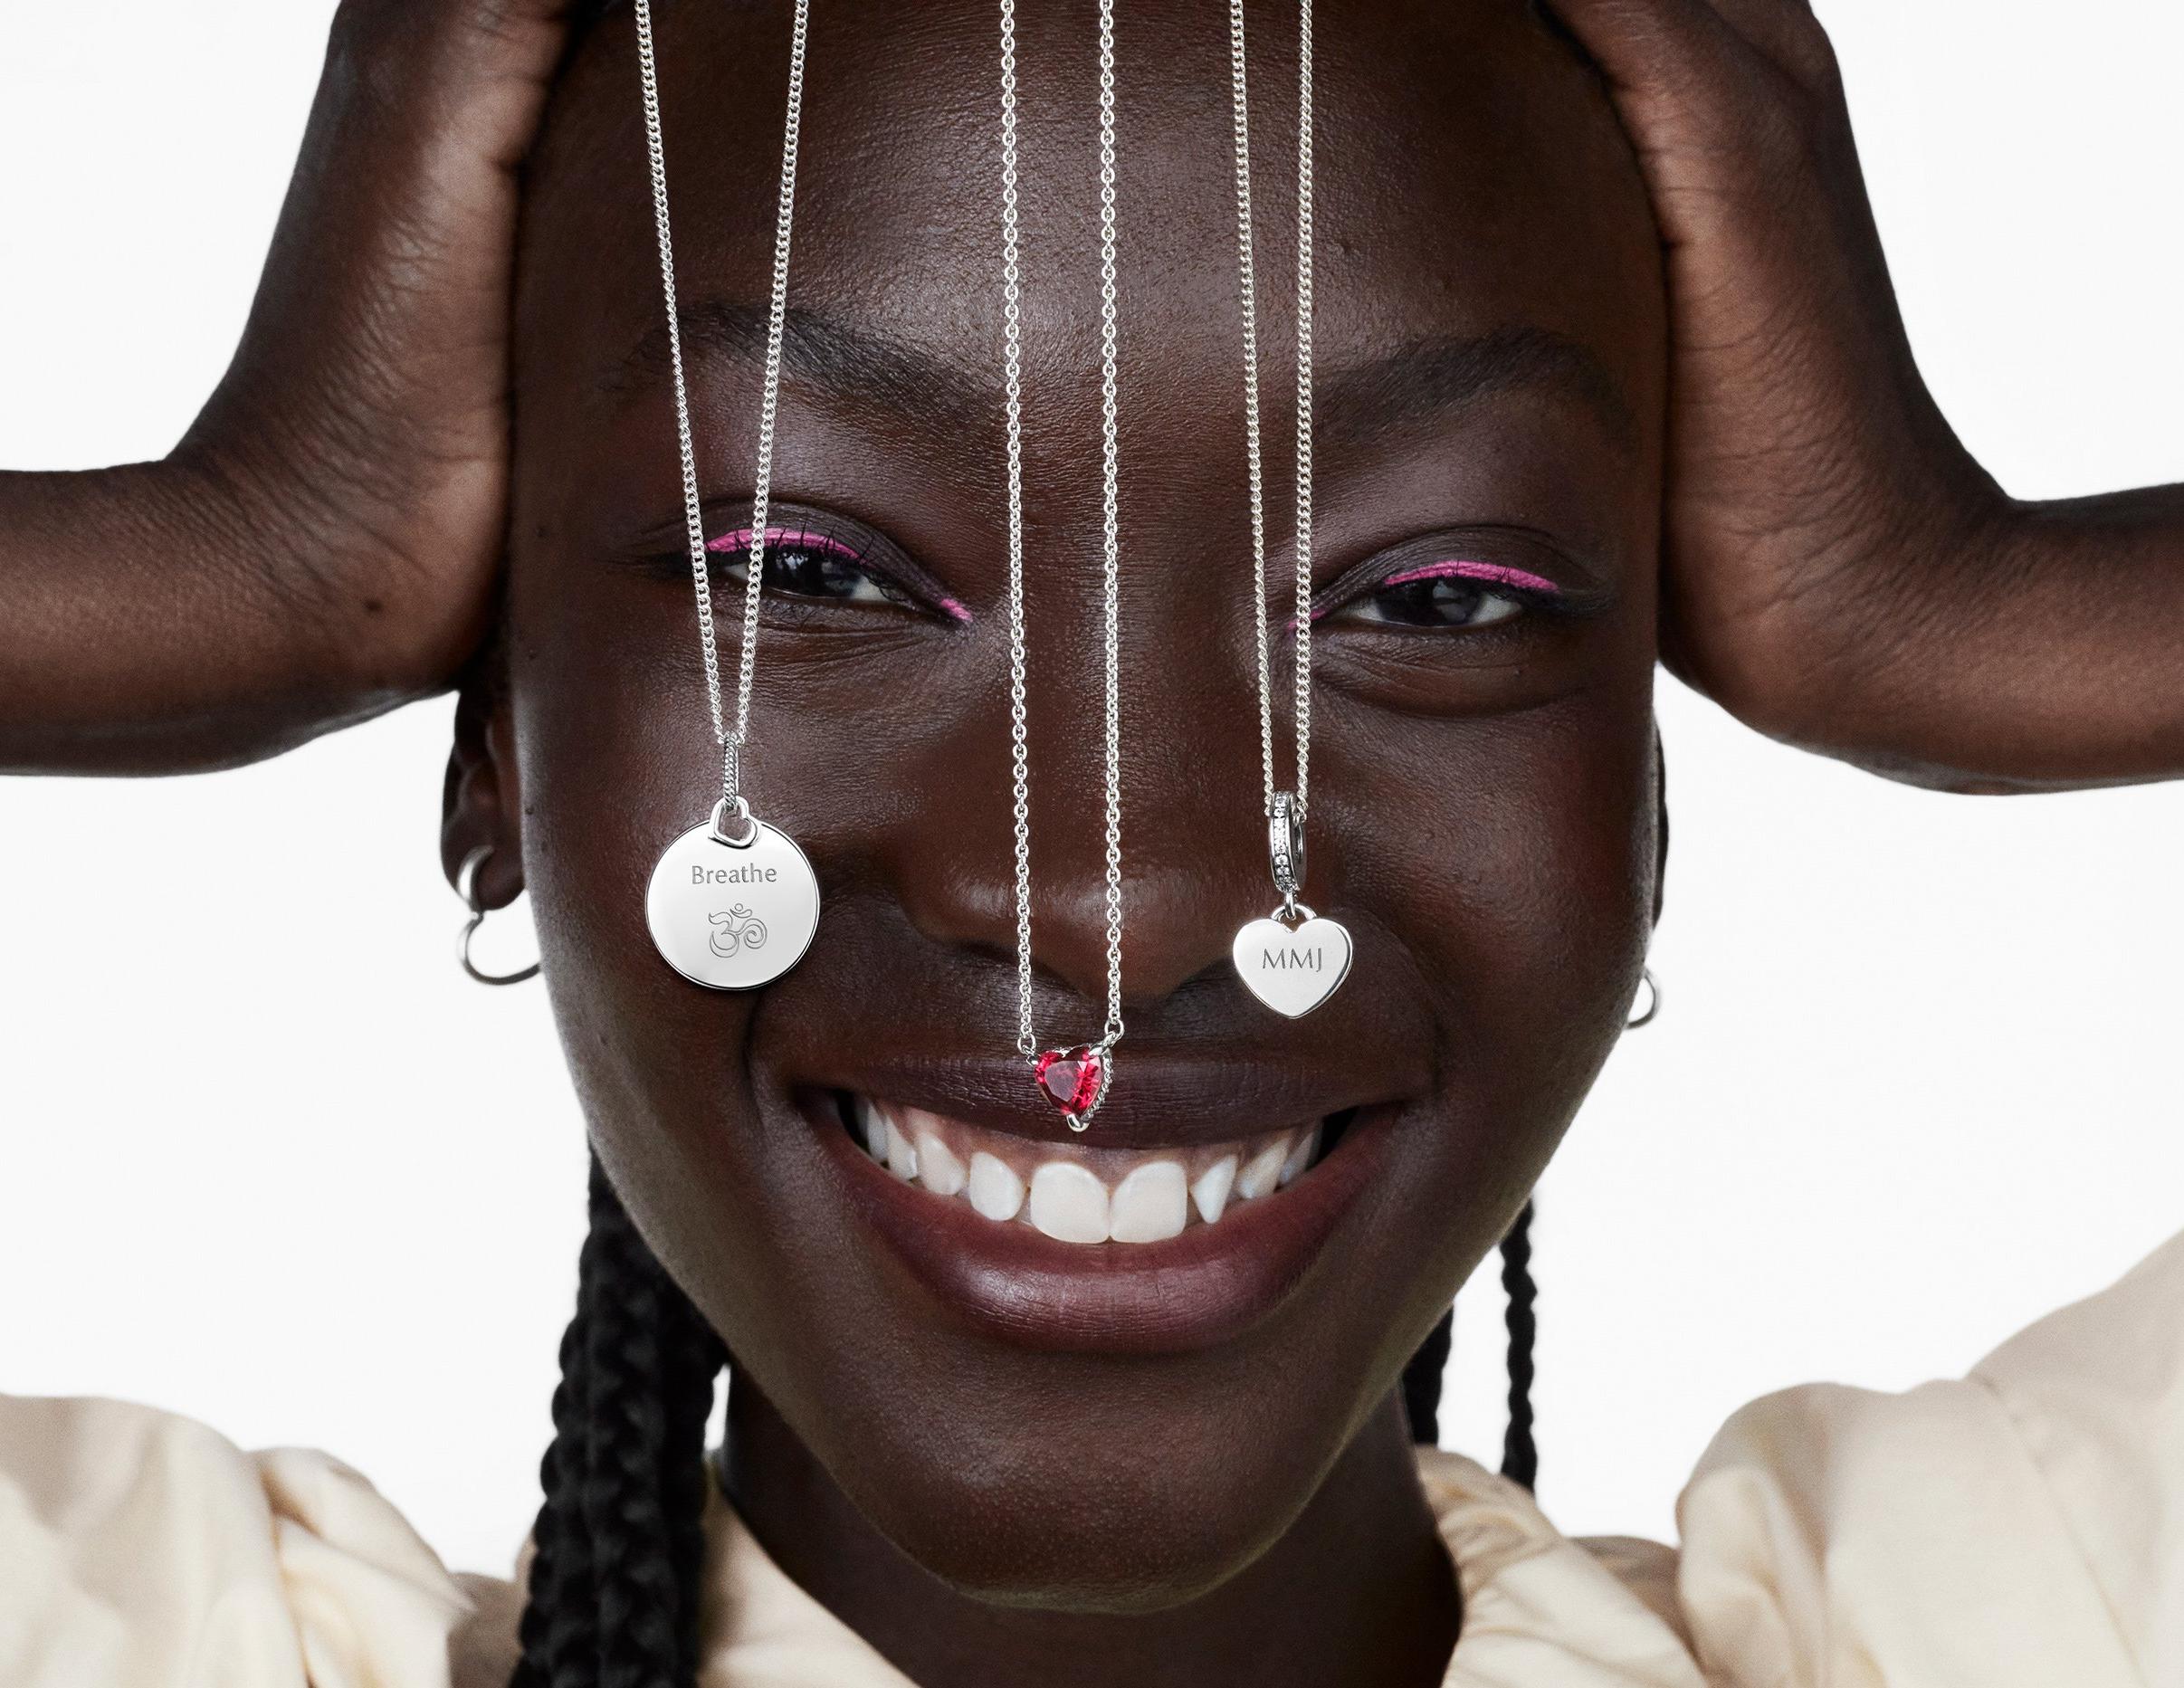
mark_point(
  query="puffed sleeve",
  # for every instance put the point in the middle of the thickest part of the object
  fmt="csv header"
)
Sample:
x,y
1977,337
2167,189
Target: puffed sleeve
x,y
140,1550
2020,1528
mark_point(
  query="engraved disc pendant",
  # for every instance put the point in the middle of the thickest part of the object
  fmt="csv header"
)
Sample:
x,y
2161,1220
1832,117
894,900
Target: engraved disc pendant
x,y
733,903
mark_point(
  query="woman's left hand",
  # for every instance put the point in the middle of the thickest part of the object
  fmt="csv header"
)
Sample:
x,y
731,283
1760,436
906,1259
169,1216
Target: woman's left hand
x,y
1839,572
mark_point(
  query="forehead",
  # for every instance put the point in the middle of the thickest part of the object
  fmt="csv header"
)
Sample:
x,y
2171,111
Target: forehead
x,y
1471,189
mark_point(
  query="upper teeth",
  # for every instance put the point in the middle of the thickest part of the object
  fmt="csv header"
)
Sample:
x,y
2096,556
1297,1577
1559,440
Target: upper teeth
x,y
1075,1194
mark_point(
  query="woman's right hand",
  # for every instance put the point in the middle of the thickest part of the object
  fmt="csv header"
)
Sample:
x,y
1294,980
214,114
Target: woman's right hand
x,y
323,543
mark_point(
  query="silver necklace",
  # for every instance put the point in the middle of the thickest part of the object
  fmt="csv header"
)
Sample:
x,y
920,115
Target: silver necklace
x,y
733,903
1292,960
1073,1079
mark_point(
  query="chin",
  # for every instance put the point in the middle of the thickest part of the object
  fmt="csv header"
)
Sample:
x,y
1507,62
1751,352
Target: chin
x,y
1098,1520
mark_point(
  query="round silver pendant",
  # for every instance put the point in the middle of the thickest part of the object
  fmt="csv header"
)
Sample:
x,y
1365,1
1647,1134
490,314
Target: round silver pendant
x,y
733,903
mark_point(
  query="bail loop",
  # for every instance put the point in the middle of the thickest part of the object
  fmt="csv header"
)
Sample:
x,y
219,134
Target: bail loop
x,y
1285,844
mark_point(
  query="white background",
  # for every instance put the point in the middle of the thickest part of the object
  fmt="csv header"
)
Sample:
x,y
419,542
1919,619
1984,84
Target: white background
x,y
284,1170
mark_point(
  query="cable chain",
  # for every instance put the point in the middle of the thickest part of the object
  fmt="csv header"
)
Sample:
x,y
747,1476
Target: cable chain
x,y
731,745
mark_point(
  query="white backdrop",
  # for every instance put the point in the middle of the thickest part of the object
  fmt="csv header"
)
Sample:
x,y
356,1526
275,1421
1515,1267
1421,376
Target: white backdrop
x,y
1914,1083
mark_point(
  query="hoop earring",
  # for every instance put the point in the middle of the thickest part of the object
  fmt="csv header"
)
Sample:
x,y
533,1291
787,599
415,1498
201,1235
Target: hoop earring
x,y
466,888
1653,1004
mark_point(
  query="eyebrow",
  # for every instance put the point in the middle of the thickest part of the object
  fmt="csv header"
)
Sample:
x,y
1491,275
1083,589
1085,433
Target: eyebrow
x,y
1425,379
1417,382
855,365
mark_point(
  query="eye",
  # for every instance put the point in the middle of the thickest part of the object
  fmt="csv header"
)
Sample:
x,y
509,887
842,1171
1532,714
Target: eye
x,y
1442,595
815,566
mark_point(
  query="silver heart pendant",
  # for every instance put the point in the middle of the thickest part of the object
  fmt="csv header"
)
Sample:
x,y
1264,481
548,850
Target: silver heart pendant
x,y
1292,970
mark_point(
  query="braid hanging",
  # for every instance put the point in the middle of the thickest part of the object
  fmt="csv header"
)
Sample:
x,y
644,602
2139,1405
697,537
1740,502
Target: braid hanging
x,y
1422,1382
1519,1452
620,1538
1422,1375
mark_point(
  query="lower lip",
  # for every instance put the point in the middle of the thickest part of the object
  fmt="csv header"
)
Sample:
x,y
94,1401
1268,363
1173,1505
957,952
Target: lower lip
x,y
1204,1286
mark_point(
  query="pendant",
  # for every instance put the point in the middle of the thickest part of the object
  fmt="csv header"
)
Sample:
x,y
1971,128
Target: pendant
x,y
1292,960
1292,969
1073,1081
732,910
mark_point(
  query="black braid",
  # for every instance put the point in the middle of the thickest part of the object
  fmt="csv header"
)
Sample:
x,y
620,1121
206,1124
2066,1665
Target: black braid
x,y
620,1538
1422,1382
556,1623
1519,1452
1422,1375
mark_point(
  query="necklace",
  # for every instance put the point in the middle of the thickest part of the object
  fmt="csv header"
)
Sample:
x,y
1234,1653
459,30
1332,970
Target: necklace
x,y
733,903
1292,960
1075,1081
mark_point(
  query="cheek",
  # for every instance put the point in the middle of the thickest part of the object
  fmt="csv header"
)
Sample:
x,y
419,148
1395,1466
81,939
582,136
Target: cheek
x,y
1512,858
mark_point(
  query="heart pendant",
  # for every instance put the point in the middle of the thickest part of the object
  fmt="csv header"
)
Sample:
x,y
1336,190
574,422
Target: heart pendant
x,y
1074,1080
1292,971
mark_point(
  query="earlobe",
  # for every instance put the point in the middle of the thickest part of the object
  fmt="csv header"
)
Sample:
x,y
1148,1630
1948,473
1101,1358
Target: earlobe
x,y
482,805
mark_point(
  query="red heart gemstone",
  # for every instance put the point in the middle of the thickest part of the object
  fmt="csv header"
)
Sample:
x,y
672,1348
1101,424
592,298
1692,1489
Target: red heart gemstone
x,y
1071,1079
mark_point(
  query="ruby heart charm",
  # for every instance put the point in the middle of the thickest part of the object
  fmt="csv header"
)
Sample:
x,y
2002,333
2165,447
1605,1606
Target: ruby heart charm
x,y
1074,1080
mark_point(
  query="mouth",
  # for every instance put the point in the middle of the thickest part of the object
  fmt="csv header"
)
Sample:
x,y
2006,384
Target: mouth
x,y
1127,1246
1079,1193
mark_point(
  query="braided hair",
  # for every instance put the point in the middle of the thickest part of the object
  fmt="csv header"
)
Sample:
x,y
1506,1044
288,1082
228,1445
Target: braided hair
x,y
620,1544
1422,1376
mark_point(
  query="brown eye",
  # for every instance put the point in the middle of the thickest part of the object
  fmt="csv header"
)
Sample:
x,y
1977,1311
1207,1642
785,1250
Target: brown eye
x,y
812,566
1435,601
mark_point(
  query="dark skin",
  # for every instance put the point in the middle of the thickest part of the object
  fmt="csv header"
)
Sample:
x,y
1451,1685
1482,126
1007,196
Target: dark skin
x,y
1842,573
329,535
1491,384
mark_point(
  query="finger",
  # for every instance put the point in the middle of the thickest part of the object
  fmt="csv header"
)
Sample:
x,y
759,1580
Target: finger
x,y
1656,49
1699,51
1786,30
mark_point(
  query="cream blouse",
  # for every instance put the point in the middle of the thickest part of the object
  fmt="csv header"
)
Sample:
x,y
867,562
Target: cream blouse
x,y
2022,1528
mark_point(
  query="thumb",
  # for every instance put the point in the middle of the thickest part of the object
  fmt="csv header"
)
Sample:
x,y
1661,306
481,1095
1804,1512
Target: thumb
x,y
480,67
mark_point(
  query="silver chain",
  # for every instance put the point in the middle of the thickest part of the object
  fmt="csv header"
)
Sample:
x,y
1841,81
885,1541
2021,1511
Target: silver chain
x,y
1247,277
1012,337
731,745
1112,531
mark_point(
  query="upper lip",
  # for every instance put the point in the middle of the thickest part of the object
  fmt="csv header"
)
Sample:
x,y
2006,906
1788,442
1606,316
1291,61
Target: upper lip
x,y
1157,1099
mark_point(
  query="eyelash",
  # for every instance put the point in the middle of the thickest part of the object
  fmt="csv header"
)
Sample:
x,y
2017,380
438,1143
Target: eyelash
x,y
1455,596
1467,589
799,560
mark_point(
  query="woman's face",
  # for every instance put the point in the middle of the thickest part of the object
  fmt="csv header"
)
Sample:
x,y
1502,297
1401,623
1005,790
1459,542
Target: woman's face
x,y
1119,1424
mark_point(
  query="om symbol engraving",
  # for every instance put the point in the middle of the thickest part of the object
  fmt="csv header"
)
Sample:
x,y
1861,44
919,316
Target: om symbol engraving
x,y
738,929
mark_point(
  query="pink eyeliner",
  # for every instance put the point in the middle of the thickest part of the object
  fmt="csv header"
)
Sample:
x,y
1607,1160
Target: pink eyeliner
x,y
740,541
1456,568
1493,574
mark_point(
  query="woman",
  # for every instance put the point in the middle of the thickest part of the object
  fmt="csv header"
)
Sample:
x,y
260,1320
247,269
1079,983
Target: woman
x,y
1208,1475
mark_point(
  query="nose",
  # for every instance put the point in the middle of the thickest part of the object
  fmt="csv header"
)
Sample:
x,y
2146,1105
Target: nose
x,y
1192,857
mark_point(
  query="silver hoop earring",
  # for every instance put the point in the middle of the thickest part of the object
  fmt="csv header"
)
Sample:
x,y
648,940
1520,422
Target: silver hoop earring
x,y
466,888
1653,1004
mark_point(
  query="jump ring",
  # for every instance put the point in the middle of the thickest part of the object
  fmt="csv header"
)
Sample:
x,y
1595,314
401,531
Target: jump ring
x,y
739,808
1653,1002
466,887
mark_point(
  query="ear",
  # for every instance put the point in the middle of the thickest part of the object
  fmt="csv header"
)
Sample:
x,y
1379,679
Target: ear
x,y
482,805
1660,822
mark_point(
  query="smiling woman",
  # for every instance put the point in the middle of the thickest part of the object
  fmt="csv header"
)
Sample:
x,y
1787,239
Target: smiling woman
x,y
973,1326
1009,1401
